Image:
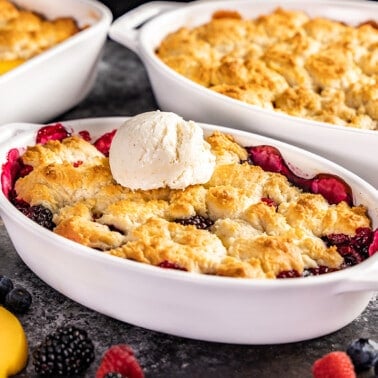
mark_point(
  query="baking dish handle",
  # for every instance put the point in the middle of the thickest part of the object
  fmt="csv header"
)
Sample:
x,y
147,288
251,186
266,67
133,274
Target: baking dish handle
x,y
125,30
366,280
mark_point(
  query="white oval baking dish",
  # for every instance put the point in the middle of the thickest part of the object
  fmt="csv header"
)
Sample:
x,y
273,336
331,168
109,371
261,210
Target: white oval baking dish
x,y
59,78
211,308
143,28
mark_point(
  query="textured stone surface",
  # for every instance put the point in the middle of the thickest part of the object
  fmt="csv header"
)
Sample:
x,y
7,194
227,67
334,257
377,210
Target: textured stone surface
x,y
122,88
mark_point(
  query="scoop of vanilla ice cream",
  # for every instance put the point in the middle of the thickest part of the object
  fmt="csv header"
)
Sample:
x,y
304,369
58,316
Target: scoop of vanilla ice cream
x,y
160,149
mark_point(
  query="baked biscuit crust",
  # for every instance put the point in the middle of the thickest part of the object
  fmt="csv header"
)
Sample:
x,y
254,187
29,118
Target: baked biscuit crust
x,y
25,34
259,224
284,61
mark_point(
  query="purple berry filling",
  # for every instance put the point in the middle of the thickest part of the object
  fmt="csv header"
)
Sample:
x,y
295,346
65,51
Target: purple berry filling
x,y
331,187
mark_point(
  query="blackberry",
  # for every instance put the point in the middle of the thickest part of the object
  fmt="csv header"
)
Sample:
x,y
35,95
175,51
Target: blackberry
x,y
363,353
354,249
42,216
38,213
199,221
336,239
289,274
318,271
18,300
114,375
6,285
66,352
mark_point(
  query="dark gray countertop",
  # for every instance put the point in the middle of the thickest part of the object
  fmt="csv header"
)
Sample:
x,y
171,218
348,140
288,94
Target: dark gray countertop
x,y
122,88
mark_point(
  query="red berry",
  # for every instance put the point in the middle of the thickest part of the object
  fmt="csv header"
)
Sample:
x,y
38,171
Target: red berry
x,y
103,143
269,201
170,265
52,132
332,188
10,171
120,359
373,248
334,365
85,135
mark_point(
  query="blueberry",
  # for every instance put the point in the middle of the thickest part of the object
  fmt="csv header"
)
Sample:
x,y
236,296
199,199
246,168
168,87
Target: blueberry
x,y
6,285
363,353
18,300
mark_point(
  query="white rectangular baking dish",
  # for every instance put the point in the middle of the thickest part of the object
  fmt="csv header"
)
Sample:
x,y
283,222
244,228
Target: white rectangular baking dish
x,y
59,78
143,28
211,308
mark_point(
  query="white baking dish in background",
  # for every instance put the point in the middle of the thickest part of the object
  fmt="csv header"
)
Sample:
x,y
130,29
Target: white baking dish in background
x,y
143,28
60,77
204,307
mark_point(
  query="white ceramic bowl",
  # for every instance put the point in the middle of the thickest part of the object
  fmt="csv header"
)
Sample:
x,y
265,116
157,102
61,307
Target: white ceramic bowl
x,y
211,308
59,78
353,148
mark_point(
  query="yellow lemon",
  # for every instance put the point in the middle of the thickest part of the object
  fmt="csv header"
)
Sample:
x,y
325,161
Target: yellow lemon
x,y
13,344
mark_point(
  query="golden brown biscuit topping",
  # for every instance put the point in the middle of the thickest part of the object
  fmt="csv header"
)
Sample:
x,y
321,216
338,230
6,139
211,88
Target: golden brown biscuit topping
x,y
244,222
24,34
284,61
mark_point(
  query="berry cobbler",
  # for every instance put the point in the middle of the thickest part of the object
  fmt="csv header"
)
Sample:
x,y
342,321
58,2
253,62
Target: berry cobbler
x,y
285,61
25,33
254,218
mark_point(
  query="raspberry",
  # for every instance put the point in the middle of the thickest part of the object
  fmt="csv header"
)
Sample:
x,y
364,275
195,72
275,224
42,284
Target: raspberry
x,y
10,171
333,188
85,135
268,158
170,265
373,248
120,359
334,365
52,132
269,201
103,143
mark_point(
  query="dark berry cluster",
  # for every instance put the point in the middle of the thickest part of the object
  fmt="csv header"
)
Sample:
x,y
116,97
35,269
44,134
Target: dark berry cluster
x,y
38,214
199,221
353,249
66,352
318,271
14,297
306,272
